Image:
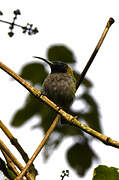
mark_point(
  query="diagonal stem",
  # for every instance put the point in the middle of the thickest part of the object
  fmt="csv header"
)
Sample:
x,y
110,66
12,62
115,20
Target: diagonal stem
x,y
10,155
15,142
14,159
10,163
50,130
108,25
10,23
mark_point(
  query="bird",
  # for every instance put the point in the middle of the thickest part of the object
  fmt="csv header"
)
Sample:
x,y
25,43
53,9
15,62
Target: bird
x,y
60,85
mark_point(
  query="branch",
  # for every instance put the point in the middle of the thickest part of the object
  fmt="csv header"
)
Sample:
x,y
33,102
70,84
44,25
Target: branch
x,y
68,117
15,142
28,28
10,155
4,169
10,164
50,130
106,140
4,148
109,23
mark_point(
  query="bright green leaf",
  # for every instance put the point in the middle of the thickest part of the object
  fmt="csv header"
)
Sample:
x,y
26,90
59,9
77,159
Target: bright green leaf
x,y
105,173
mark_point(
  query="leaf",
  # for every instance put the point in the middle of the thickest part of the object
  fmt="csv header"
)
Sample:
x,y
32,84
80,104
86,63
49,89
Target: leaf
x,y
34,72
80,157
60,53
92,116
83,155
31,108
1,13
86,82
103,172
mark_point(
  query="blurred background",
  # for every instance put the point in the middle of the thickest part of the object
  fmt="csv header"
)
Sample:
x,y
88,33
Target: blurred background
x,y
69,32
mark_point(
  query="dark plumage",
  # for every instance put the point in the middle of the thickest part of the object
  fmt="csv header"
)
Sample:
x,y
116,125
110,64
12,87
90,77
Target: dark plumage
x,y
60,85
60,88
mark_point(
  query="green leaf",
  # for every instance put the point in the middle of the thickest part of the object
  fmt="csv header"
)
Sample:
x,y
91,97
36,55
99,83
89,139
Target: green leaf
x,y
31,108
92,116
86,82
34,72
103,172
60,53
80,157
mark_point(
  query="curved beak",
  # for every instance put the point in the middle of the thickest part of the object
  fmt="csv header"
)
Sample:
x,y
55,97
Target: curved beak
x,y
48,62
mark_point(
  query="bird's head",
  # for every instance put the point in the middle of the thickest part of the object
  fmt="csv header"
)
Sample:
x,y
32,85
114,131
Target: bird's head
x,y
57,66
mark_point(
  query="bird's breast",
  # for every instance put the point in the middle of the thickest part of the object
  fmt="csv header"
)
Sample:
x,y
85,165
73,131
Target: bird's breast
x,y
60,88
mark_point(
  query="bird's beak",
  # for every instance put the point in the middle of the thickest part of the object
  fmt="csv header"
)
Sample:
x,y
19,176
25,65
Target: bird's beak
x,y
48,62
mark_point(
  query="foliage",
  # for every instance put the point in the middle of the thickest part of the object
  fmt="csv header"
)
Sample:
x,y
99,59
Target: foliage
x,y
106,173
35,72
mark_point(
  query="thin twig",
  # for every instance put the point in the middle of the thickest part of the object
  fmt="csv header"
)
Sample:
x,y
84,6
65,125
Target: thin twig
x,y
7,151
10,163
11,23
105,139
50,130
109,23
13,158
15,142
